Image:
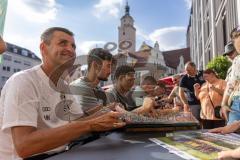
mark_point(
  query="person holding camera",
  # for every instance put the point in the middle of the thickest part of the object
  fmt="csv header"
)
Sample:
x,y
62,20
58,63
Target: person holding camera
x,y
210,95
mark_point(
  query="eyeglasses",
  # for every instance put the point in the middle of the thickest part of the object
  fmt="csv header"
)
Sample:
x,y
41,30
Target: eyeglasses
x,y
235,32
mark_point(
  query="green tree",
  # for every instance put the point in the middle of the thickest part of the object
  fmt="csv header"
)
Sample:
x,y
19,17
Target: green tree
x,y
220,65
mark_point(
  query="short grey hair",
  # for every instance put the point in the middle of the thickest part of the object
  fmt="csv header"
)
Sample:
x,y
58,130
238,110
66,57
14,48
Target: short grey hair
x,y
47,34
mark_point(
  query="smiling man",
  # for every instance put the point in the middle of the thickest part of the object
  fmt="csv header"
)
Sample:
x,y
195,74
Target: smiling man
x,y
28,122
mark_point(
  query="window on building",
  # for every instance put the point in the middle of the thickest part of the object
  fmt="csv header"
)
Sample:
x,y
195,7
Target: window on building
x,y
16,70
209,55
4,79
15,50
7,57
33,56
224,26
208,25
17,61
26,63
8,69
24,52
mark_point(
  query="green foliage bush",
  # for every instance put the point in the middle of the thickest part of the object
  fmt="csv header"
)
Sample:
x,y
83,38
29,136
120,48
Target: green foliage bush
x,y
220,65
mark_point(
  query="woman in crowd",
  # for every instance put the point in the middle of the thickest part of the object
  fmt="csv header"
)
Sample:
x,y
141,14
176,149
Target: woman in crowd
x,y
210,95
174,95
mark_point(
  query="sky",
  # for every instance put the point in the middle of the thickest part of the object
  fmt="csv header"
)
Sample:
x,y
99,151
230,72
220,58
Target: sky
x,y
95,22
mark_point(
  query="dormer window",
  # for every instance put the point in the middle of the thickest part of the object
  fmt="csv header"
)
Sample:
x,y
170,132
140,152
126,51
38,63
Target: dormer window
x,y
24,52
15,50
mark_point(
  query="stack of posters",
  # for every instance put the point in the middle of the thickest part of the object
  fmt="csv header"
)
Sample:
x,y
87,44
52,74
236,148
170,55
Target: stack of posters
x,y
197,144
167,121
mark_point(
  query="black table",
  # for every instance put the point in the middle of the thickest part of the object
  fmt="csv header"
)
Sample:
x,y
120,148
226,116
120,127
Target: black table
x,y
119,146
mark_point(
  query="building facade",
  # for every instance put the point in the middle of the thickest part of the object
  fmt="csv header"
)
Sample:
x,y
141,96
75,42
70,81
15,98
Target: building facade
x,y
14,60
210,24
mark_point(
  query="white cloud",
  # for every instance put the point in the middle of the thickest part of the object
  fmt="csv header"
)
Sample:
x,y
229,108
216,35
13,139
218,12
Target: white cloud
x,y
30,42
169,38
141,34
40,11
107,8
188,3
84,47
26,19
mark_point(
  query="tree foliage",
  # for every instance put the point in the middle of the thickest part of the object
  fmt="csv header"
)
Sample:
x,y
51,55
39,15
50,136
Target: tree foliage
x,y
220,65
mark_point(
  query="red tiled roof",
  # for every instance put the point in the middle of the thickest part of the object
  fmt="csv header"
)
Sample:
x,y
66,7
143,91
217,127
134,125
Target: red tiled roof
x,y
172,58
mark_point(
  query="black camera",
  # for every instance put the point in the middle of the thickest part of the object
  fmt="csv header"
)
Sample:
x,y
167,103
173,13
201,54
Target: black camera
x,y
217,112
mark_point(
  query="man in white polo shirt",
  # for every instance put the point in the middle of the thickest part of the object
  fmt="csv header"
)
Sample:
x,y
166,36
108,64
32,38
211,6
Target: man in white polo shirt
x,y
28,117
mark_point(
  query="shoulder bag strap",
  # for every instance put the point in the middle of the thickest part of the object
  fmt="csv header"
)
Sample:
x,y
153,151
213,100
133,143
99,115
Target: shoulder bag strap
x,y
209,96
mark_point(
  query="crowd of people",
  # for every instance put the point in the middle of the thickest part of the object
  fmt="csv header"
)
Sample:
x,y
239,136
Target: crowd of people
x,y
29,98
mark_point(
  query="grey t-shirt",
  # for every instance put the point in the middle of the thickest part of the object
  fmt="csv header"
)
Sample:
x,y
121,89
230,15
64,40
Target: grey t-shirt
x,y
127,101
87,95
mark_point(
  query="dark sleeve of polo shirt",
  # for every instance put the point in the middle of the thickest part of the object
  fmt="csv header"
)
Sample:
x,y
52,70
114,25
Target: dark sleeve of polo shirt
x,y
183,81
187,83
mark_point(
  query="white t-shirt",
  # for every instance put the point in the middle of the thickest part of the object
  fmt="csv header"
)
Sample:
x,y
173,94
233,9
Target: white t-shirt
x,y
28,100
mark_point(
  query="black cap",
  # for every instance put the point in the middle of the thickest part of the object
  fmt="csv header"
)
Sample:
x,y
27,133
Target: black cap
x,y
228,49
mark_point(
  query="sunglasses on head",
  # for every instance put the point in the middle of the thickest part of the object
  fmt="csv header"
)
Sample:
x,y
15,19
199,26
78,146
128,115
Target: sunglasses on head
x,y
235,32
101,54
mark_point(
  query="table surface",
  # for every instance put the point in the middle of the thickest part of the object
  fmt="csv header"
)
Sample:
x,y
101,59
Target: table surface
x,y
120,146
